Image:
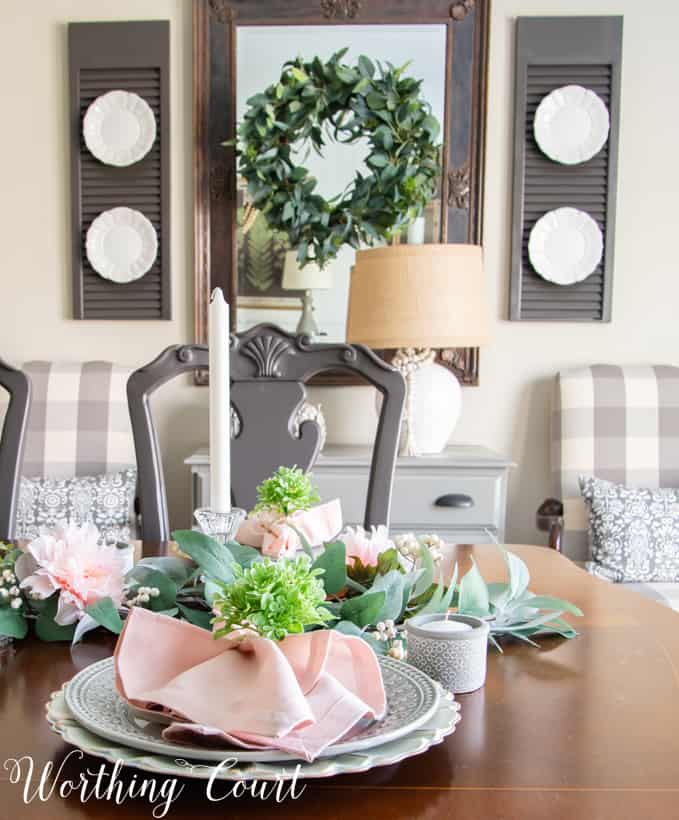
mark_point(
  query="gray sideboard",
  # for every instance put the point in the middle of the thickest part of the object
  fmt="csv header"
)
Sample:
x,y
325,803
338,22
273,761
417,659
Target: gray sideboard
x,y
460,494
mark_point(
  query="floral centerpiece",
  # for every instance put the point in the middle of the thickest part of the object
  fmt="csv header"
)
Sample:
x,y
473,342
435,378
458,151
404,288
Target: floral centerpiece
x,y
360,583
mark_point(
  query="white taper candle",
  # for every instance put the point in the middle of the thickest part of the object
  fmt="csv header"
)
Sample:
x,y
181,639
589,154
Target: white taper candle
x,y
220,404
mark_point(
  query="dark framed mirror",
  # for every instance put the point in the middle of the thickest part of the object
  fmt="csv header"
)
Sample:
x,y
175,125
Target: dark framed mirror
x,y
239,49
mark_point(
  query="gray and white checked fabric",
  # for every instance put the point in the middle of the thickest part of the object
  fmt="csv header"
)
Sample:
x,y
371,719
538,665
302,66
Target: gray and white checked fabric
x,y
620,424
79,422
616,423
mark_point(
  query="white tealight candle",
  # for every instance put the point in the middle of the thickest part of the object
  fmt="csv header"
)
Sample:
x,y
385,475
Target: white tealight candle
x,y
446,626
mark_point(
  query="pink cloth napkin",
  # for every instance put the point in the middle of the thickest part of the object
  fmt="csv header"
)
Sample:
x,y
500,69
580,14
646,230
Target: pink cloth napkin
x,y
277,536
298,695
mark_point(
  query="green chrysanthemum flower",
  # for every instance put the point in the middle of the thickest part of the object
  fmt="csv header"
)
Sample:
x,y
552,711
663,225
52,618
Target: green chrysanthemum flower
x,y
274,598
289,489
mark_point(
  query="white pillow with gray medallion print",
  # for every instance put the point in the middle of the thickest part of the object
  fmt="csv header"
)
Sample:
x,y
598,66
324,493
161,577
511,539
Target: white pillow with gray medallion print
x,y
105,500
634,533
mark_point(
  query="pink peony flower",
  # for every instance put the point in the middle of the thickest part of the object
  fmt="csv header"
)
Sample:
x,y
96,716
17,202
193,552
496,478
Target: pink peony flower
x,y
366,547
69,560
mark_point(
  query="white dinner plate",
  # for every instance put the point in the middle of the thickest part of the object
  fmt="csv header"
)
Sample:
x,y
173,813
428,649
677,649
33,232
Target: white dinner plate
x,y
571,124
119,128
121,245
565,246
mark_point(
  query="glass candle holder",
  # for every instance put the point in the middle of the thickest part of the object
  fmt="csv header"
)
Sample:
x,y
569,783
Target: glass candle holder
x,y
222,526
450,650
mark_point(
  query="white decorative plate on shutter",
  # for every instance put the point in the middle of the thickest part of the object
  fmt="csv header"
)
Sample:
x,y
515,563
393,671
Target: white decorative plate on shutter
x,y
119,128
121,245
571,124
565,246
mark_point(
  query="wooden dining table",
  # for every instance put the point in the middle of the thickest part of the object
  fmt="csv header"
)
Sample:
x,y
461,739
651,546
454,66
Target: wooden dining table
x,y
581,729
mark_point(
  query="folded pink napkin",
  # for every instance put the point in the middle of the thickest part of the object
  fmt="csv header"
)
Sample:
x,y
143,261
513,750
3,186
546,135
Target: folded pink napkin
x,y
298,695
277,536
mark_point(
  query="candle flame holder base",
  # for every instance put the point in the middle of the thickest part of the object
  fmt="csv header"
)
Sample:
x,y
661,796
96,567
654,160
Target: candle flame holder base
x,y
222,526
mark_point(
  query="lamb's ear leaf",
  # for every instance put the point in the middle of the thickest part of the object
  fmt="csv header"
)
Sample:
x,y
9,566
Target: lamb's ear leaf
x,y
519,576
473,598
427,577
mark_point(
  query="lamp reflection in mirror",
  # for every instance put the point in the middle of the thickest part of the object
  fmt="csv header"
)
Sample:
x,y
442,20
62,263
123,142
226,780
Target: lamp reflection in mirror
x,y
308,279
417,298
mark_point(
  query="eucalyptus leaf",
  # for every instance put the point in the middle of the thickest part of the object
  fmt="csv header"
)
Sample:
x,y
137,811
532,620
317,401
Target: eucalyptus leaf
x,y
177,569
349,628
364,610
392,584
213,558
243,554
333,562
388,560
45,627
12,623
197,617
212,589
105,613
167,590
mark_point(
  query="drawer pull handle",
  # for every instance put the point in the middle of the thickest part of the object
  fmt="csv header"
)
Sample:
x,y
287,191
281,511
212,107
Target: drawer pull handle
x,y
457,500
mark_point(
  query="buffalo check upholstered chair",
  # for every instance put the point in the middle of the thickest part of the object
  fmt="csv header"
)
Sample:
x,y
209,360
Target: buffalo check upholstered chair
x,y
79,423
618,423
17,388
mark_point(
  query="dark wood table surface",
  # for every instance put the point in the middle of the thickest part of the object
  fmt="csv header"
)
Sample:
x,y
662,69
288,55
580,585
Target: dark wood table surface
x,y
587,728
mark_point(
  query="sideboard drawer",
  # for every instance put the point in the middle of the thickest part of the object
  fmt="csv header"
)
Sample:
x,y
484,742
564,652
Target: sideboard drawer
x,y
476,500
413,503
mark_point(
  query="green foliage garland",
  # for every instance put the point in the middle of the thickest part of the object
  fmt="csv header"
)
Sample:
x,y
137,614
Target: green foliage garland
x,y
314,101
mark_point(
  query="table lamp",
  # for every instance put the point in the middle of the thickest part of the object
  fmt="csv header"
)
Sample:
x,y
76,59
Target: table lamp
x,y
417,298
308,279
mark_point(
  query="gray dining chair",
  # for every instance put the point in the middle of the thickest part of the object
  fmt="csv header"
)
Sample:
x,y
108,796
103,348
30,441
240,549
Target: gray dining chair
x,y
269,371
12,441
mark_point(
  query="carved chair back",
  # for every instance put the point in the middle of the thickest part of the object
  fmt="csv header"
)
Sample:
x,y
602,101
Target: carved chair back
x,y
269,371
17,385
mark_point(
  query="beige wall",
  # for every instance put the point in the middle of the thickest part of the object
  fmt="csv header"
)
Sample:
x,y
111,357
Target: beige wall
x,y
509,410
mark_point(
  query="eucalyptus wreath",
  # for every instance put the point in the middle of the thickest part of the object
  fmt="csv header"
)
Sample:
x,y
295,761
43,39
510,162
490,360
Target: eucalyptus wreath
x,y
314,101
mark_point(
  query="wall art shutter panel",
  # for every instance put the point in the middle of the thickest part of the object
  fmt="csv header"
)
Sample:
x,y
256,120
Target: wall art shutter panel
x,y
131,57
552,52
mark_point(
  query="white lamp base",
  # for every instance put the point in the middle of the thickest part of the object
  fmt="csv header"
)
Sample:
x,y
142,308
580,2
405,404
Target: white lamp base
x,y
433,403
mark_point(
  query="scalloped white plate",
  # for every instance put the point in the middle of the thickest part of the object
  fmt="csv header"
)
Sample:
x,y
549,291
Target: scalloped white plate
x,y
441,724
571,124
565,246
121,245
119,128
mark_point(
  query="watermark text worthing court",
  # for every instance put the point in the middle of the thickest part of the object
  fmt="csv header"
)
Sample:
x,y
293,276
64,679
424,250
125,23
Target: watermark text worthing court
x,y
104,783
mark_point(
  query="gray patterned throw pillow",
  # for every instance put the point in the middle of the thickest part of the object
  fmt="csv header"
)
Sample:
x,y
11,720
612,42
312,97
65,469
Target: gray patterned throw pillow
x,y
105,500
634,534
